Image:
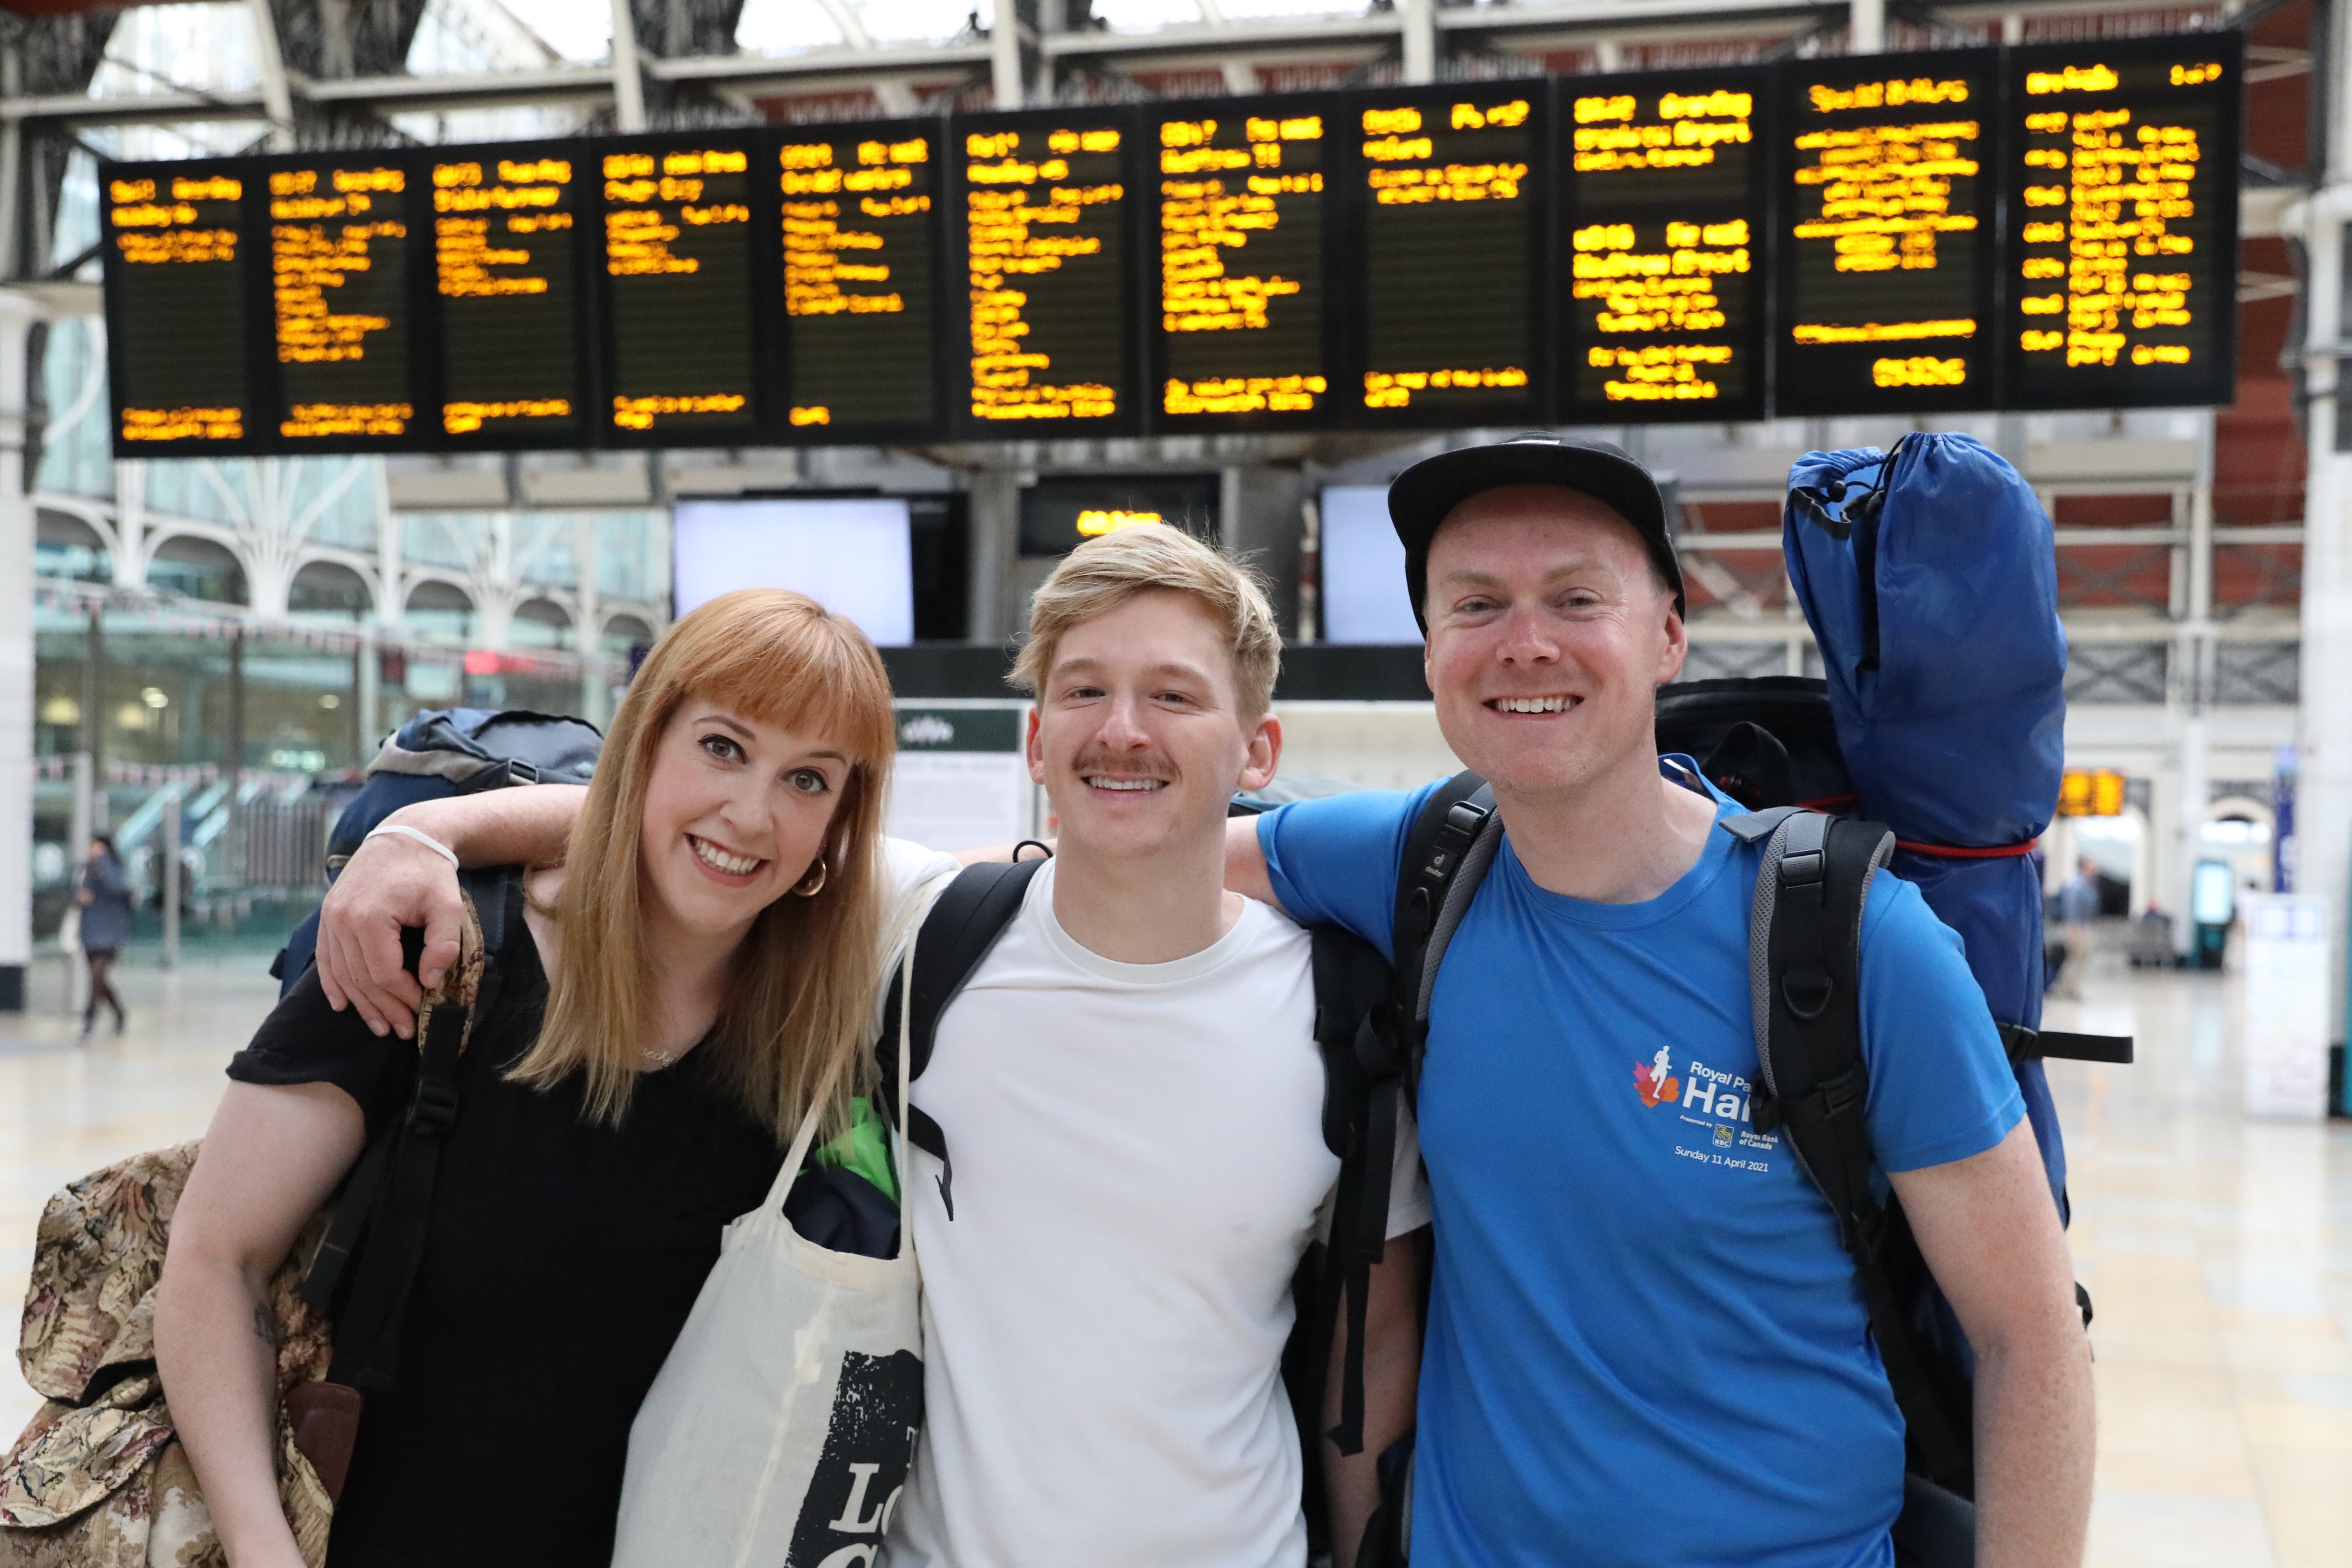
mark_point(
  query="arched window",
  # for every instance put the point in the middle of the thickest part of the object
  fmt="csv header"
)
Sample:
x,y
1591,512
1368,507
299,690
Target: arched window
x,y
623,633
540,623
439,613
197,567
66,547
324,591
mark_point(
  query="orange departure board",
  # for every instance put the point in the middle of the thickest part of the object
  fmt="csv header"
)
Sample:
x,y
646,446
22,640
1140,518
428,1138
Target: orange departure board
x,y
507,249
339,290
2123,223
1887,229
1663,264
1043,208
678,287
1240,341
177,343
859,232
1448,182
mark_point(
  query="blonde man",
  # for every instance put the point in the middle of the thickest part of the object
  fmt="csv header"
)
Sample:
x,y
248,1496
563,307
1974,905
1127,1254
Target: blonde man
x,y
1133,1096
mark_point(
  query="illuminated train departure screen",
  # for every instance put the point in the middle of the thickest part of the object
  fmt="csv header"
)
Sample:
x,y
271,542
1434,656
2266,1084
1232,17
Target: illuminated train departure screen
x,y
861,276
1662,272
176,242
678,247
2039,226
2123,223
1886,228
340,327
1043,204
1241,191
508,239
1449,189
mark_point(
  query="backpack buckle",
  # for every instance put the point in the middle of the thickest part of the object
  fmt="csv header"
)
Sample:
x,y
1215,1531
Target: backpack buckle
x,y
433,1110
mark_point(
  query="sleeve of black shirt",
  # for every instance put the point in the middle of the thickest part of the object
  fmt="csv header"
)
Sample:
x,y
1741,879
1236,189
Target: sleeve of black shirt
x,y
305,1041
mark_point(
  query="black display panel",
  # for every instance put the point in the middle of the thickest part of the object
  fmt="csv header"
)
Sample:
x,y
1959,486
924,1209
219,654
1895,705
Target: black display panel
x,y
1044,222
2122,257
179,351
860,230
1448,188
1885,248
1061,513
1661,278
510,237
343,321
681,349
1242,334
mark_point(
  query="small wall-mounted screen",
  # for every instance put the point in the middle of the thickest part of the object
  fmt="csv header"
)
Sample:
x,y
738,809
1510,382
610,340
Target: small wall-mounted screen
x,y
1364,594
853,557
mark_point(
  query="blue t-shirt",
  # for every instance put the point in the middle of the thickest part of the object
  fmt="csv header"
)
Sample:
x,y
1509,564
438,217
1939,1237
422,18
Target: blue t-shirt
x,y
1645,1346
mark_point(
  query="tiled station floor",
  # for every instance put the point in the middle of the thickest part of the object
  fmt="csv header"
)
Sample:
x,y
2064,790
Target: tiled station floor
x,y
2220,1251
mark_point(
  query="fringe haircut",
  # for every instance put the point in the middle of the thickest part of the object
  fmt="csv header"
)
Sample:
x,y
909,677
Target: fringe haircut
x,y
800,999
1104,573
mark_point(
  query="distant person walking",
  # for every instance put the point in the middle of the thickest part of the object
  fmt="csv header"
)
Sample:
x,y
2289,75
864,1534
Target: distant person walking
x,y
102,890
2078,906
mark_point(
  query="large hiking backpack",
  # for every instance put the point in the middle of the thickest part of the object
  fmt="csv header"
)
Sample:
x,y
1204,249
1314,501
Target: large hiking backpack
x,y
437,754
1353,982
1926,576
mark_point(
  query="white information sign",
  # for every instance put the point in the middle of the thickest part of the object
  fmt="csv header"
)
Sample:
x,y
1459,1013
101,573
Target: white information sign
x,y
2287,952
962,778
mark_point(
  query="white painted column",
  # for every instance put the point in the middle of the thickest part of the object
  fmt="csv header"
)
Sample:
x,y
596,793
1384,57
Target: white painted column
x,y
588,622
17,314
1004,54
1869,27
1420,19
277,96
2324,766
628,86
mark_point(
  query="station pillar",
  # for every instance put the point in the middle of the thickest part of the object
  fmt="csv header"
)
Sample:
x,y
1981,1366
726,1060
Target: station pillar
x,y
19,312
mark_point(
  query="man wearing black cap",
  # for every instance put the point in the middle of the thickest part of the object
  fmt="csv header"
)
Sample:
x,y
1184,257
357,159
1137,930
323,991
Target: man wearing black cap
x,y
1645,1346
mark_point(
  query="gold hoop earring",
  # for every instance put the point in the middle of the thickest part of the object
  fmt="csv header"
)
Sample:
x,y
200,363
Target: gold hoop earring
x,y
811,884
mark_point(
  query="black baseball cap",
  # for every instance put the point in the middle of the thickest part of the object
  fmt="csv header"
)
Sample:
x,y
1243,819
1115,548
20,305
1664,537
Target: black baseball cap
x,y
1424,492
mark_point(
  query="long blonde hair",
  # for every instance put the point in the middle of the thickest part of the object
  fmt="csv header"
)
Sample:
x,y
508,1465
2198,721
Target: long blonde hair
x,y
799,999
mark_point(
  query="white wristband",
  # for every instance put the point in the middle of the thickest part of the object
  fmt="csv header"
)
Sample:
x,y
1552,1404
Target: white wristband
x,y
427,840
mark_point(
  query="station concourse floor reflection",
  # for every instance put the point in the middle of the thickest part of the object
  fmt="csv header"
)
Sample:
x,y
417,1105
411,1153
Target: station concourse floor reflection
x,y
2218,1250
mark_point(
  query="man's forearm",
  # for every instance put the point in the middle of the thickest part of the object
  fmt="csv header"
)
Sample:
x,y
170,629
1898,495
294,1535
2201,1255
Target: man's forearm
x,y
1392,1380
2035,1447
500,827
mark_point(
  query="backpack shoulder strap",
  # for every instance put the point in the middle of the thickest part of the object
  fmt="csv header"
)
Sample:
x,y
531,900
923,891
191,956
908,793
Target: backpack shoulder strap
x,y
373,1248
964,922
1446,853
1355,1033
1805,966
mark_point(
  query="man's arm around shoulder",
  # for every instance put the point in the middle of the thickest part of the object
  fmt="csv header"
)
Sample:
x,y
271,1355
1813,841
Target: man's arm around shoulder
x,y
1990,1235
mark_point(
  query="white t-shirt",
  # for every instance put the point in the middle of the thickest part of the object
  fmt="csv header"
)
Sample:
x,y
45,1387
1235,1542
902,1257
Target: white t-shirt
x,y
1139,1167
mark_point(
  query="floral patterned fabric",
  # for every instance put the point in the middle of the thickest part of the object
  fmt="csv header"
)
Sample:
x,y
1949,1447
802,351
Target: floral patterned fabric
x,y
99,1480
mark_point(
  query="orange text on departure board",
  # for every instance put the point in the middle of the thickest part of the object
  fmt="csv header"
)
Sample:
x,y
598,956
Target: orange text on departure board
x,y
1212,200
637,236
1009,236
156,227
319,235
486,228
1405,173
2111,269
1689,127
1885,195
1672,285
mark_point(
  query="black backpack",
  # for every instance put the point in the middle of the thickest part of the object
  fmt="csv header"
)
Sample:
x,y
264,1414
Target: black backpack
x,y
437,754
1353,1033
1763,741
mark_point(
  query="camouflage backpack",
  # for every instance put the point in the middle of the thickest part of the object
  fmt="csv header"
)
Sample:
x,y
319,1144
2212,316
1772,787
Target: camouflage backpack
x,y
100,1479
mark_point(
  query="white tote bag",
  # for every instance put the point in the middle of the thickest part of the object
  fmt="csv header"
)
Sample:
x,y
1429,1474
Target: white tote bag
x,y
778,1432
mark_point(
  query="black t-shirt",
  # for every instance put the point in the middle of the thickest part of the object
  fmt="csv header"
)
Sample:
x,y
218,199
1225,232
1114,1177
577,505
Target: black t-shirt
x,y
561,1262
